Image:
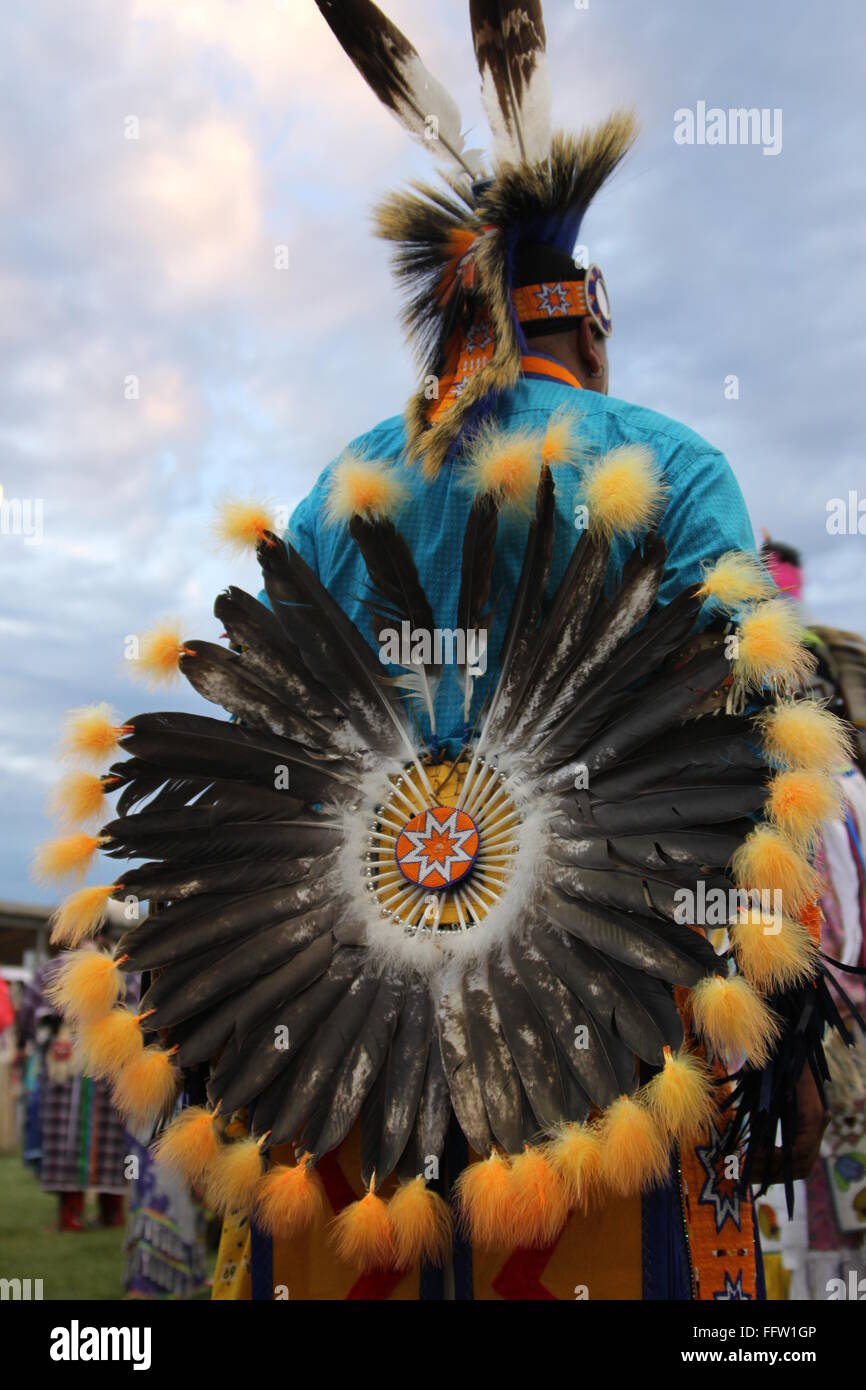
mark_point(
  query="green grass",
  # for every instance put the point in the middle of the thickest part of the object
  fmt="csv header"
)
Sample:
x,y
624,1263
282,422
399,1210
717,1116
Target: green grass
x,y
81,1264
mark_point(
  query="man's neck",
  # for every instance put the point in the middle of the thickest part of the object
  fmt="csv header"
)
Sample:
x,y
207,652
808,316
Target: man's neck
x,y
561,350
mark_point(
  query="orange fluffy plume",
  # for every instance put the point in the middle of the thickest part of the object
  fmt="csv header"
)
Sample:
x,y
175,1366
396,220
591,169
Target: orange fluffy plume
x,y
86,985
624,493
146,1088
362,1234
772,952
69,857
483,1192
802,733
81,915
538,1197
420,1225
92,734
241,526
767,861
769,647
800,802
561,442
159,652
234,1176
290,1199
362,487
79,799
635,1151
736,578
188,1146
505,464
106,1045
575,1154
733,1018
681,1095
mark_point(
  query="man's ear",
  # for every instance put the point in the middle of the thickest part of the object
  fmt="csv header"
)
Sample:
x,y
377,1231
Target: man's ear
x,y
587,348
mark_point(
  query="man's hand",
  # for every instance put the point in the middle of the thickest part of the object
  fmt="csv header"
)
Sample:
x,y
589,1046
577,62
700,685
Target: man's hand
x,y
812,1120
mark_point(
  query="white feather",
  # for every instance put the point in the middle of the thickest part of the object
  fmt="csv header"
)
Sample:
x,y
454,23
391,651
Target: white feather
x,y
536,113
523,134
419,686
433,117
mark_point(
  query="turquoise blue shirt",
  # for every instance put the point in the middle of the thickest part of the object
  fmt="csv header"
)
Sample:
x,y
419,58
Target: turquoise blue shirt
x,y
705,516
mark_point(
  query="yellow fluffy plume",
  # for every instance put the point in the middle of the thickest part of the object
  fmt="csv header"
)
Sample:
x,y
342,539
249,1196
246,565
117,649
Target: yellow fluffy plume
x,y
81,915
420,1225
575,1154
483,1192
234,1176
188,1146
539,1200
146,1088
732,1017
802,733
769,646
505,465
736,578
561,442
106,1045
92,734
86,985
362,1234
624,493
681,1095
69,857
635,1152
362,487
290,1199
240,526
801,801
79,799
772,952
159,651
767,861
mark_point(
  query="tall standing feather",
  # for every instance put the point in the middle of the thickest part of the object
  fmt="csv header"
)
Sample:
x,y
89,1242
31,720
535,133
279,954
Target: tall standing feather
x,y
510,50
332,648
398,598
476,573
525,611
392,68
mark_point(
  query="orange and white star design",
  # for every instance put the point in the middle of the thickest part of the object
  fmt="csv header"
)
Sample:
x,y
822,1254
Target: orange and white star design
x,y
438,847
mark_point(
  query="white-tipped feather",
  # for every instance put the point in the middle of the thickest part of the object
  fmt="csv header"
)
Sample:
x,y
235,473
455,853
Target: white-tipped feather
x,y
420,685
391,66
515,88
432,116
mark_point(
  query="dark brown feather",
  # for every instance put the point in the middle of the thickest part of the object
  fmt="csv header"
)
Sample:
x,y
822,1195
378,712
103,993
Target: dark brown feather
x,y
509,41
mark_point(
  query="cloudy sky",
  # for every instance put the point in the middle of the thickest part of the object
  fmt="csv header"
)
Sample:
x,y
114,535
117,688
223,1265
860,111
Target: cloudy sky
x,y
156,154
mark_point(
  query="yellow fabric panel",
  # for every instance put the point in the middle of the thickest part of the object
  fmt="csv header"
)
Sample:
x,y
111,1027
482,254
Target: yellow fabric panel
x,y
308,1266
600,1252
